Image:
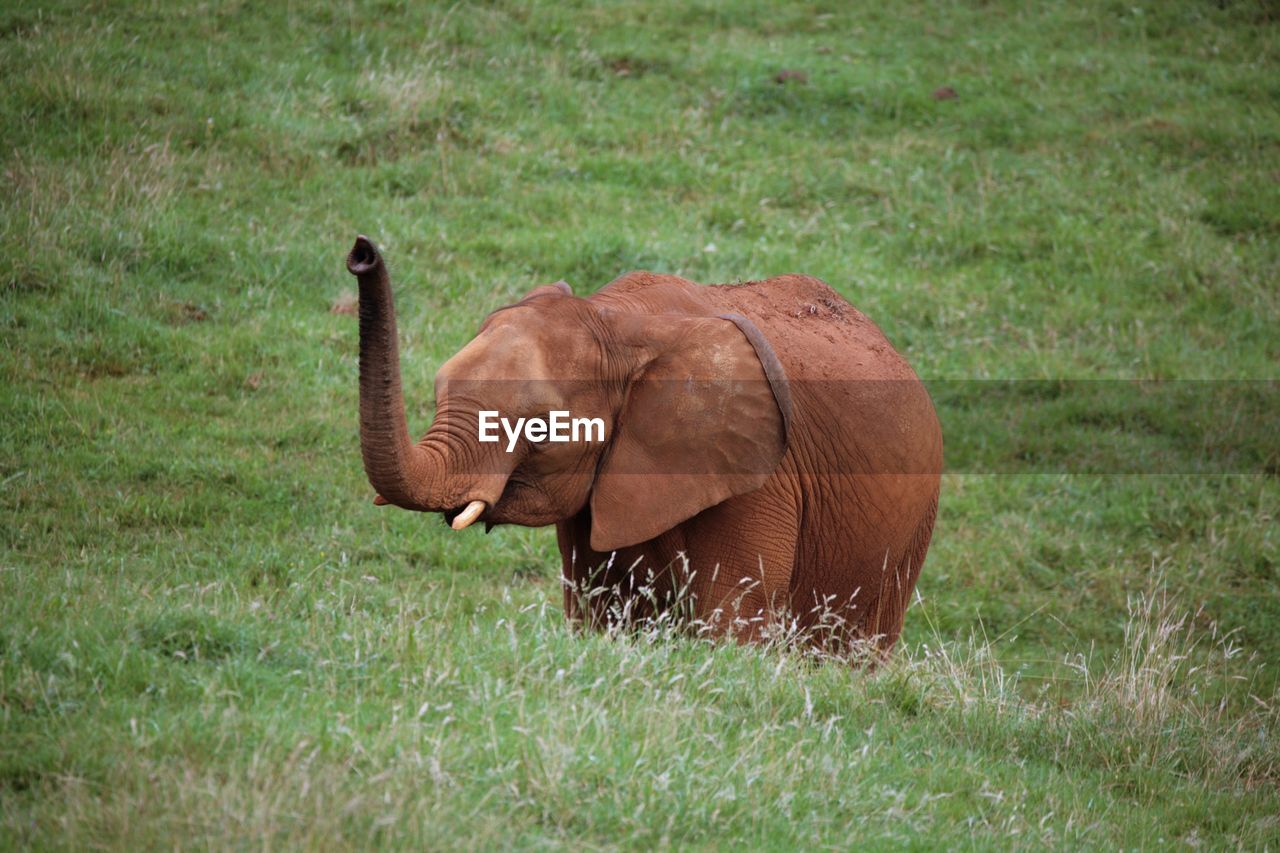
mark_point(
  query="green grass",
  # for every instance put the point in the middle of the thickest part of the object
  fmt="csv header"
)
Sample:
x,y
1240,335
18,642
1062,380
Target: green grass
x,y
209,636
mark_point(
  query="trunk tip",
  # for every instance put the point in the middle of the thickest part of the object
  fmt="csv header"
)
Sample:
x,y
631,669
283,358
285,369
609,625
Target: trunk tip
x,y
363,257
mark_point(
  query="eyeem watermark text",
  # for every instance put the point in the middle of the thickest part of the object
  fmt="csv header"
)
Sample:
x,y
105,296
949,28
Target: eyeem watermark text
x,y
558,427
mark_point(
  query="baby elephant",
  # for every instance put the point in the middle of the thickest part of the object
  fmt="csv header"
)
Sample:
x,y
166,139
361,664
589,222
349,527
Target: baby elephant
x,y
756,457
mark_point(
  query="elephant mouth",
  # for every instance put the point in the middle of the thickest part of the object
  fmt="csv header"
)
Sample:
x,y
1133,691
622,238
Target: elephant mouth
x,y
450,515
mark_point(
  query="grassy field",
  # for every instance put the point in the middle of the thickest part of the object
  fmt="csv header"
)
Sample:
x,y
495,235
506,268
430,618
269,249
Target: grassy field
x,y
210,637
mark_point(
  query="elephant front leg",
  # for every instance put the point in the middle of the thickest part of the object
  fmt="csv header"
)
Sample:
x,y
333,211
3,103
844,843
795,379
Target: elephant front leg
x,y
743,554
619,588
580,570
728,569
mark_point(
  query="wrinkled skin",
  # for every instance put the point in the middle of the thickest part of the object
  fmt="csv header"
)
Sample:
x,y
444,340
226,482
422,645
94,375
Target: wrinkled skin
x,y
800,479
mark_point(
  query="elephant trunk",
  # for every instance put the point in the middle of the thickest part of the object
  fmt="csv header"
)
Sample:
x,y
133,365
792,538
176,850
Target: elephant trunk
x,y
398,470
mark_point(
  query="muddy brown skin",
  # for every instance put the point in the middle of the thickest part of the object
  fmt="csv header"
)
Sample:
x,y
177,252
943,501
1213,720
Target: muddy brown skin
x,y
801,477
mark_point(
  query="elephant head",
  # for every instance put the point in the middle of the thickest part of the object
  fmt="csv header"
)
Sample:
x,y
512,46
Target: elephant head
x,y
668,452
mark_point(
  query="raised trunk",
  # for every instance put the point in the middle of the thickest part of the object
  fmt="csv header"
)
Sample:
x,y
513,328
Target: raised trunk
x,y
399,470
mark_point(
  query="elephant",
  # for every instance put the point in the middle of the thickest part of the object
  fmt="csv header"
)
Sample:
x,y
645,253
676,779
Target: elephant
x,y
770,464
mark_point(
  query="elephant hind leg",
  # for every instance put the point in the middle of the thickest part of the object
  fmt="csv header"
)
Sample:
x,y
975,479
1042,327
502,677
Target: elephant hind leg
x,y
884,623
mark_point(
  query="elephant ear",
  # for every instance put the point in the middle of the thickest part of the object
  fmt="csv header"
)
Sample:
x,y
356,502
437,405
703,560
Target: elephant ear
x,y
706,419
560,288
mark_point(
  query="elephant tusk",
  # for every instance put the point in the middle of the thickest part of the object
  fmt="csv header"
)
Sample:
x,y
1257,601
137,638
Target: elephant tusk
x,y
468,515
